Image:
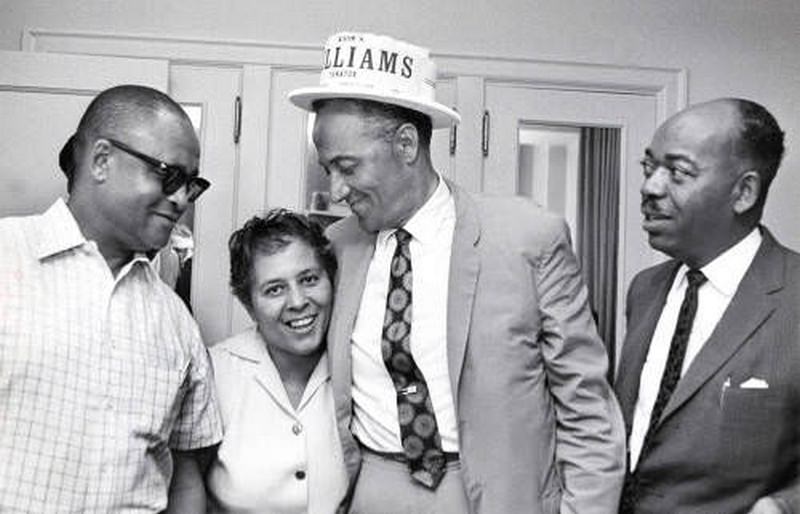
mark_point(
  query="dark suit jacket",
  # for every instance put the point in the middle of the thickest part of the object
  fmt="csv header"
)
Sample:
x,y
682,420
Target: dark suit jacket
x,y
719,448
539,428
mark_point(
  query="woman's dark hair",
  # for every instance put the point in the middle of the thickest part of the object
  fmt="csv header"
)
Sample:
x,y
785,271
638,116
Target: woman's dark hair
x,y
265,235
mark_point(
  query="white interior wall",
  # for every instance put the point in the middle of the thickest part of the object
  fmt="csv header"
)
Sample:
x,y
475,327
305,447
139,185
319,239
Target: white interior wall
x,y
730,48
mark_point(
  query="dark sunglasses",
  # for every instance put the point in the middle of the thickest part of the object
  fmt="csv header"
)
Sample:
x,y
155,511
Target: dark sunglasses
x,y
172,177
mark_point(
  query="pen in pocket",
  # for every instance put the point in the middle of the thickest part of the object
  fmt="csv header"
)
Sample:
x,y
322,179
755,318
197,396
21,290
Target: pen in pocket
x,y
725,386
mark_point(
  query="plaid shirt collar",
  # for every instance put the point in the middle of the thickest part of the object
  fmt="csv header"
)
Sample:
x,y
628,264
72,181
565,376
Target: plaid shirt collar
x,y
58,232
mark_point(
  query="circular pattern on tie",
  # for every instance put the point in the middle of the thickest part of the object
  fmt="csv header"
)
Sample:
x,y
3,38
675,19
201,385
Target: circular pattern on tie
x,y
405,345
400,381
407,316
407,282
396,331
386,350
433,458
413,447
405,413
399,267
405,251
397,300
424,425
402,362
419,395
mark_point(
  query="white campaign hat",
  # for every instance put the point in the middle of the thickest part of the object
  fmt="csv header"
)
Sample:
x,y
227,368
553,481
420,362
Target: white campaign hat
x,y
379,68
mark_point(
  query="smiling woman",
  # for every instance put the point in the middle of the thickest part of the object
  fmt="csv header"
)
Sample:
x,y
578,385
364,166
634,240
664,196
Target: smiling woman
x,y
281,451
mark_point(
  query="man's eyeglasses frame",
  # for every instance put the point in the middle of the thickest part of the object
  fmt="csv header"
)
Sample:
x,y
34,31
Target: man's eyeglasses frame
x,y
172,177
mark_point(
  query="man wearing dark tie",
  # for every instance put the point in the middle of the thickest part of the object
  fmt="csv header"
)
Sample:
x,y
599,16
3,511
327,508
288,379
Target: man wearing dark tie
x,y
709,377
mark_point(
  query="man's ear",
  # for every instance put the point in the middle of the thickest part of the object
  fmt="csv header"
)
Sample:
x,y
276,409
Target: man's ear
x,y
100,153
406,143
746,191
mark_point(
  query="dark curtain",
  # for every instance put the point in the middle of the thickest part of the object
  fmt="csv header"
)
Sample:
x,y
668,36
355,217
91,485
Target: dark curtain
x,y
598,225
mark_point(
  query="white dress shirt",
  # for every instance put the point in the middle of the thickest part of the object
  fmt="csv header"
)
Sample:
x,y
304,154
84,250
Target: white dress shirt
x,y
274,458
375,421
724,275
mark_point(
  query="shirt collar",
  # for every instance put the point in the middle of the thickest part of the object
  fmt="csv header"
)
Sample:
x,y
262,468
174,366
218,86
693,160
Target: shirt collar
x,y
254,349
726,271
250,346
58,231
424,224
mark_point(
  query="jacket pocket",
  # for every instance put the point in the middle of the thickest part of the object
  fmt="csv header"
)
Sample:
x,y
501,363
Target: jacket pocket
x,y
753,422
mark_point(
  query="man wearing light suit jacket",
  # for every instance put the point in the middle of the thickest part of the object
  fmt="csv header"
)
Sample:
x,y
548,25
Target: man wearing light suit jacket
x,y
711,400
467,371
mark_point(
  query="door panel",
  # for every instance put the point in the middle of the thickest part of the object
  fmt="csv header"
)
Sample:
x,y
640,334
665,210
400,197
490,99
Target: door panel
x,y
213,91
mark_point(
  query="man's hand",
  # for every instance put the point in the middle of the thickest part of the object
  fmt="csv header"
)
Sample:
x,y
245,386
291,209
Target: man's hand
x,y
766,505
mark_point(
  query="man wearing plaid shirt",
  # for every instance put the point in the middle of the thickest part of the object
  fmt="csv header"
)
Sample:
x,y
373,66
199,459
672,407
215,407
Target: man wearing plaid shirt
x,y
105,385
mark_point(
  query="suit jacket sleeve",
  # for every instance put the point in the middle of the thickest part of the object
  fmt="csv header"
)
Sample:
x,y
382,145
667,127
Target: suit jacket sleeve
x,y
590,437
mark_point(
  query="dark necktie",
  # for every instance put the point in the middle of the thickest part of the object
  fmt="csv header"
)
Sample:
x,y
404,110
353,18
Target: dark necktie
x,y
418,430
669,379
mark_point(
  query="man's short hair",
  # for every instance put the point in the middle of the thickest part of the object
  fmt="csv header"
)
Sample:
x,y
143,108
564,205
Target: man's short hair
x,y
760,140
111,113
387,117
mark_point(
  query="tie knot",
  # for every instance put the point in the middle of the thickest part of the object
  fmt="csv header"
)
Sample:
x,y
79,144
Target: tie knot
x,y
402,235
695,278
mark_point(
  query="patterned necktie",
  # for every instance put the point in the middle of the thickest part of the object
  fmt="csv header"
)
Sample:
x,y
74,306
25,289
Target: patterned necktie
x,y
669,379
418,430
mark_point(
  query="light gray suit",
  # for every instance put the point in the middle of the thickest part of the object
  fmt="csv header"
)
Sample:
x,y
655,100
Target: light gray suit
x,y
539,429
719,447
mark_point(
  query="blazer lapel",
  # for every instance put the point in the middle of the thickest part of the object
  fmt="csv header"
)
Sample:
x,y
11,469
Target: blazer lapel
x,y
639,336
464,269
752,304
353,262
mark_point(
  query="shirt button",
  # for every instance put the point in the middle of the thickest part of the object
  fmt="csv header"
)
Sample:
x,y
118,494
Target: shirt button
x,y
297,428
300,475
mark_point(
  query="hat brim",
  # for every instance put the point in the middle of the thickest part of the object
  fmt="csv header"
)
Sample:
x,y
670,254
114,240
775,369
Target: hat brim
x,y
441,116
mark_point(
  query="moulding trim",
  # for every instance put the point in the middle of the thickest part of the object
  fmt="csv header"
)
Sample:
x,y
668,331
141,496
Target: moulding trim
x,y
668,85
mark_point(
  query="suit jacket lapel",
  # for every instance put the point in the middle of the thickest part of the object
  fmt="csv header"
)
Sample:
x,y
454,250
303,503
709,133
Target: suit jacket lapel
x,y
639,336
464,269
752,304
353,262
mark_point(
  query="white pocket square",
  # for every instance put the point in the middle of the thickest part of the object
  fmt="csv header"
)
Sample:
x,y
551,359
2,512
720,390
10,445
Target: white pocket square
x,y
754,383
